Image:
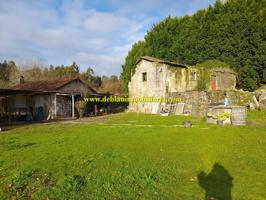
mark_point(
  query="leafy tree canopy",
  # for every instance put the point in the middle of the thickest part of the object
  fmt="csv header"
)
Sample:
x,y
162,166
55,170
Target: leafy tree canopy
x,y
212,64
233,32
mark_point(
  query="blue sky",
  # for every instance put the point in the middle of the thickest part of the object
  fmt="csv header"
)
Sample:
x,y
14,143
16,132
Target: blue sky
x,y
93,33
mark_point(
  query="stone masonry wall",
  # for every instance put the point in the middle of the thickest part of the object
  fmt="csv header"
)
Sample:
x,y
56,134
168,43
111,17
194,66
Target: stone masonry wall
x,y
196,102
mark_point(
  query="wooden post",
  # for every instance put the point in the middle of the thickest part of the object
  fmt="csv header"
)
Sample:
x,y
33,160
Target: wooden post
x,y
9,117
55,106
95,109
73,106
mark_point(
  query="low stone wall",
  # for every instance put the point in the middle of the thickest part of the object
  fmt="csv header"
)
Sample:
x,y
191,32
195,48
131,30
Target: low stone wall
x,y
196,103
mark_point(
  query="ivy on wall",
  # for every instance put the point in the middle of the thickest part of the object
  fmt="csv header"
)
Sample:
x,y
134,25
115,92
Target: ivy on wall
x,y
205,71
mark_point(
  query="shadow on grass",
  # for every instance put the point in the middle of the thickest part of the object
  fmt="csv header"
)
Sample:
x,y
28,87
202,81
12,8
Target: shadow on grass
x,y
20,146
217,184
7,126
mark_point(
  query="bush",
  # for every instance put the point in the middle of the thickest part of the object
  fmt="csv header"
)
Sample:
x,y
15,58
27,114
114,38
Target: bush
x,y
81,107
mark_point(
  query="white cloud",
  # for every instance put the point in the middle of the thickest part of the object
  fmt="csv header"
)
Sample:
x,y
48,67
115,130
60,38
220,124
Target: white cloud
x,y
102,64
89,37
71,31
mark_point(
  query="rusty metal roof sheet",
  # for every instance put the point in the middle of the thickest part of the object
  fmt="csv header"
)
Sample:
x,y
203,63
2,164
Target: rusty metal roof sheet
x,y
49,85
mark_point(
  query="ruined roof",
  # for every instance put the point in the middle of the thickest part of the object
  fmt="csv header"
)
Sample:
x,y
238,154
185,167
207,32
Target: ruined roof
x,y
48,85
152,59
216,66
223,70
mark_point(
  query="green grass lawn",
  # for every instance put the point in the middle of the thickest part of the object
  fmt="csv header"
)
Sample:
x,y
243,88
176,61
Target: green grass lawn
x,y
135,156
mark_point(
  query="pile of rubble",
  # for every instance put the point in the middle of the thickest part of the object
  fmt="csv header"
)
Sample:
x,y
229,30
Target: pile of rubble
x,y
258,99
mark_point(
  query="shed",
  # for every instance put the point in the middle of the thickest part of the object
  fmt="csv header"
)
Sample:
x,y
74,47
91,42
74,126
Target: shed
x,y
44,99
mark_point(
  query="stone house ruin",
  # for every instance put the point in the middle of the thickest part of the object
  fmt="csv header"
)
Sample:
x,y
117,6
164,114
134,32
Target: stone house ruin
x,y
158,78
44,99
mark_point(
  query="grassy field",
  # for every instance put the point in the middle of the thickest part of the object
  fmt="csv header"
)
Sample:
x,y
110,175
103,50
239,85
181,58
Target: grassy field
x,y
135,156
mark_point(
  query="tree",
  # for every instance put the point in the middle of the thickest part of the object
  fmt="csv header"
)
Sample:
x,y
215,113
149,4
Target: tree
x,y
233,32
75,67
114,78
8,73
88,75
138,50
264,75
96,81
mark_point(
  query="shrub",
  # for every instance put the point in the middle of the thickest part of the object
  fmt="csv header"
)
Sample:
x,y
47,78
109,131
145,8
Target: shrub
x,y
81,107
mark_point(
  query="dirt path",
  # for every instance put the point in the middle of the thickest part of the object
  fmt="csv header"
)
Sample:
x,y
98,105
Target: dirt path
x,y
101,119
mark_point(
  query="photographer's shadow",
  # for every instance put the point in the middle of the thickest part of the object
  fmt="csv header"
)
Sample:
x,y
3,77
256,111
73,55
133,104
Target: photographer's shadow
x,y
217,184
